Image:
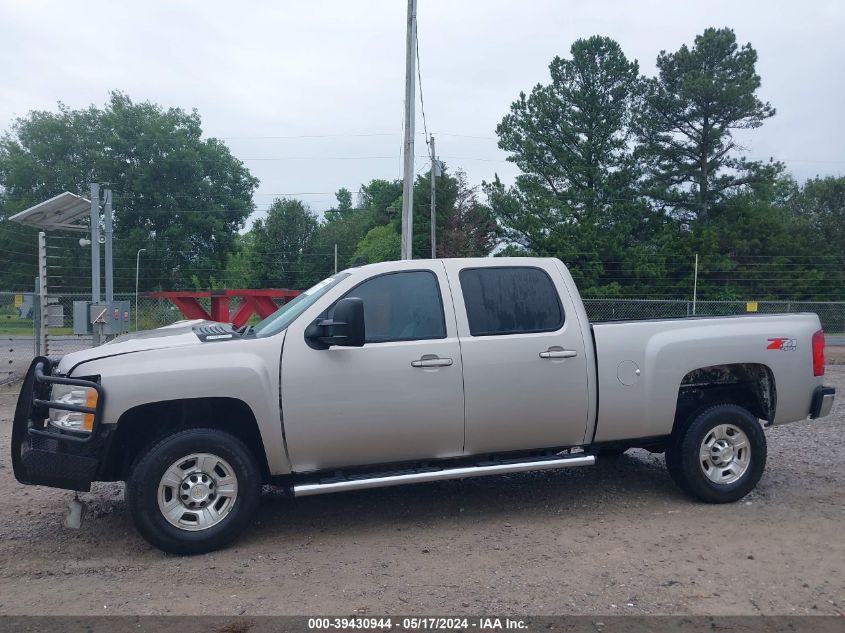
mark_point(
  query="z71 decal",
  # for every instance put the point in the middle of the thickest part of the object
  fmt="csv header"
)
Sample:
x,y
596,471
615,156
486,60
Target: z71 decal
x,y
784,344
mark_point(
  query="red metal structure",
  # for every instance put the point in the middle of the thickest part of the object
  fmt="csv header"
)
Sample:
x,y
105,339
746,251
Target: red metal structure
x,y
253,301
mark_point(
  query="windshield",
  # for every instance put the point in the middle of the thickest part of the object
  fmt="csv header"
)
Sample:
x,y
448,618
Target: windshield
x,y
285,315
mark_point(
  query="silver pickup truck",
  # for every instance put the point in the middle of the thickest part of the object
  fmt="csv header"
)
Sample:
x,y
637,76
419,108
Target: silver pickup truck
x,y
403,372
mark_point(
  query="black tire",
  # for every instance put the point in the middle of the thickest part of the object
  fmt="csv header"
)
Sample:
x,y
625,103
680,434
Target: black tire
x,y
142,491
684,463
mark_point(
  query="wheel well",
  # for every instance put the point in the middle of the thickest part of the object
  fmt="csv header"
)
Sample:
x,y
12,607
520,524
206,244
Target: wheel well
x,y
137,428
749,385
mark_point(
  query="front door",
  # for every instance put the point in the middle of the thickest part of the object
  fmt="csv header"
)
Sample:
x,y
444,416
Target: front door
x,y
397,398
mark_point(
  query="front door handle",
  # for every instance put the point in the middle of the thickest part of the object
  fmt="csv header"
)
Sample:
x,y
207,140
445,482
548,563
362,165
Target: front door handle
x,y
558,352
431,360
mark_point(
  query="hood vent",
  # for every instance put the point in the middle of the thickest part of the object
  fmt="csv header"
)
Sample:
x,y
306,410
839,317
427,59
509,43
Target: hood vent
x,y
211,332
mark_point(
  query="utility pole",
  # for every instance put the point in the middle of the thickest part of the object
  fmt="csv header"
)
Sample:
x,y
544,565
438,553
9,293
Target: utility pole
x,y
109,224
433,206
335,258
96,336
410,111
95,242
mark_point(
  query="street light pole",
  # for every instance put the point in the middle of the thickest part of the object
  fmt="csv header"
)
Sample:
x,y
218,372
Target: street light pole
x,y
137,269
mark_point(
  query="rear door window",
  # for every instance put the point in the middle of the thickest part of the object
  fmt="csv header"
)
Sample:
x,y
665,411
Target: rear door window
x,y
512,300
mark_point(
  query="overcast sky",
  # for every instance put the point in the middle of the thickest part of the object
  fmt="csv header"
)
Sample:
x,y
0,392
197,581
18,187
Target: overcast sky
x,y
332,73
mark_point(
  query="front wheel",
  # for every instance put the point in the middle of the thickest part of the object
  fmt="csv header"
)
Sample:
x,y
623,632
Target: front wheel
x,y
720,456
194,491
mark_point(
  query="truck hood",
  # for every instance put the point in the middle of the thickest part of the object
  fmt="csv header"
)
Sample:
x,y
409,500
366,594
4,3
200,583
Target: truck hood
x,y
179,334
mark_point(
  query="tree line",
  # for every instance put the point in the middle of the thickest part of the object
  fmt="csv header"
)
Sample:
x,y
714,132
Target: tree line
x,y
624,177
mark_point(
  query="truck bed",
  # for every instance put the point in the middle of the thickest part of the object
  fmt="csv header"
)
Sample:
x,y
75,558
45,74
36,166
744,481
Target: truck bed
x,y
640,365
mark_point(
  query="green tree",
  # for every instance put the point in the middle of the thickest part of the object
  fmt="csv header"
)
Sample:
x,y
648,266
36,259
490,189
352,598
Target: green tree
x,y
180,196
577,197
344,199
446,191
279,247
764,243
384,198
343,227
821,202
464,226
816,234
469,227
238,272
690,112
380,244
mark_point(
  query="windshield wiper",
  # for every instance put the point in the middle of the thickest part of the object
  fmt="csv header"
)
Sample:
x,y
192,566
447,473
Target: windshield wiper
x,y
245,330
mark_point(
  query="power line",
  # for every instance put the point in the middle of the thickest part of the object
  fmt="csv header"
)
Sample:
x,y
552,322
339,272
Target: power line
x,y
419,78
303,136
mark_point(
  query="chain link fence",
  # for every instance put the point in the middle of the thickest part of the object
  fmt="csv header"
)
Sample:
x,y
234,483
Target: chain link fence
x,y
17,332
19,319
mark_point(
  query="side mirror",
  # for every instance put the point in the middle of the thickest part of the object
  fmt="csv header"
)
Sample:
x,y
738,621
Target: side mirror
x,y
348,323
344,329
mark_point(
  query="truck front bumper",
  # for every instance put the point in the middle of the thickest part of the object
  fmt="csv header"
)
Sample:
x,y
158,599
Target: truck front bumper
x,y
822,402
45,456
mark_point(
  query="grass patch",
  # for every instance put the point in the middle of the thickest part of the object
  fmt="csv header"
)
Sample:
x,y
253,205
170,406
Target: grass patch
x,y
13,325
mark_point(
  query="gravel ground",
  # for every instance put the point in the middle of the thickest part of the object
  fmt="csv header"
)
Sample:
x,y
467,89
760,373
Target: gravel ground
x,y
618,538
835,355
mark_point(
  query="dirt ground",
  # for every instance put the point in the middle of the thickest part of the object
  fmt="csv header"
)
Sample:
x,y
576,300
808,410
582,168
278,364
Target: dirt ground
x,y
835,355
617,538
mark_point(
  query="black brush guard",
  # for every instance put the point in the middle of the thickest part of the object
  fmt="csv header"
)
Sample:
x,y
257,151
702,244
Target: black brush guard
x,y
45,456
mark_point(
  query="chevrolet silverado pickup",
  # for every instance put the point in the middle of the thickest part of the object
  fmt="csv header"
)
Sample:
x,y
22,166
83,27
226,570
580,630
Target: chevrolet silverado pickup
x,y
403,372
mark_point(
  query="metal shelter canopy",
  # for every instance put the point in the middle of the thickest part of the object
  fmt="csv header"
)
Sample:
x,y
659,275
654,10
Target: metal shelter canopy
x,y
65,212
60,213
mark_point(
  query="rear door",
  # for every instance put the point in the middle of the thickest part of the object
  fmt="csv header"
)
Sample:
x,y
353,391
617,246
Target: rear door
x,y
524,363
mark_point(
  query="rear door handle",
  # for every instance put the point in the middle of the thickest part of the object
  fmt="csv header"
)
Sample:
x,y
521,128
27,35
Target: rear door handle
x,y
431,360
558,352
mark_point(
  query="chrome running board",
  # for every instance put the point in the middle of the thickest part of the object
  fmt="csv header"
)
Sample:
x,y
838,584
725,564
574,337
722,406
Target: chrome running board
x,y
394,479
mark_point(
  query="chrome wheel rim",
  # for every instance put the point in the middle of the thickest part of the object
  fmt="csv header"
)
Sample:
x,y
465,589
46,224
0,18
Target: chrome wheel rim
x,y
197,491
725,454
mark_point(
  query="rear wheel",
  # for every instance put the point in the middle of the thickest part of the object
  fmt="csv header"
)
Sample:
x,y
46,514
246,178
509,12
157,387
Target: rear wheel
x,y
194,491
720,456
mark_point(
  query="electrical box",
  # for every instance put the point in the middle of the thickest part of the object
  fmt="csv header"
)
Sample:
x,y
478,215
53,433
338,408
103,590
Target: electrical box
x,y
55,313
110,319
81,321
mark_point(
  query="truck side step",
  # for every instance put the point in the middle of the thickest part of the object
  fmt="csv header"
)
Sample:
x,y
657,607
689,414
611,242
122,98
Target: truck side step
x,y
413,477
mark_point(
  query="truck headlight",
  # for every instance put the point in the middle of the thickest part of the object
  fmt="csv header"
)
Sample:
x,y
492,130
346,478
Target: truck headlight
x,y
73,420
